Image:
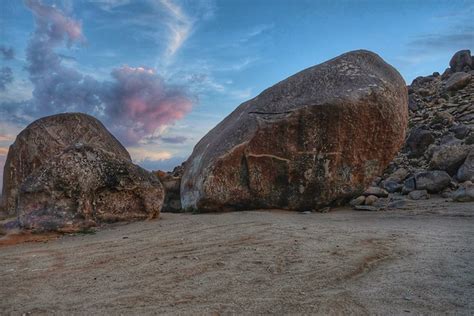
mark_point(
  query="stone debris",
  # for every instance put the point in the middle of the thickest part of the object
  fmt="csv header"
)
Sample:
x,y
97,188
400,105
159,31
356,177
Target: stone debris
x,y
438,155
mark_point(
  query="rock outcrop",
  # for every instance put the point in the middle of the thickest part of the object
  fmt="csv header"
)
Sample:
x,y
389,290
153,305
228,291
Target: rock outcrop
x,y
67,173
84,186
314,139
47,137
440,143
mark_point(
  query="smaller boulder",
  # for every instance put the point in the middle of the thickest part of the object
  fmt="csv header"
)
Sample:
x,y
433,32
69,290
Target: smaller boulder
x,y
466,171
376,191
449,157
171,184
460,60
469,139
409,185
432,181
419,139
391,186
460,131
458,81
447,140
465,193
412,103
444,118
419,195
398,175
360,200
370,200
447,73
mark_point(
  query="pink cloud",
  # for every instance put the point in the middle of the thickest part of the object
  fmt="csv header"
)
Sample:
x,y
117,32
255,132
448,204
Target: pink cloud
x,y
55,22
141,102
135,104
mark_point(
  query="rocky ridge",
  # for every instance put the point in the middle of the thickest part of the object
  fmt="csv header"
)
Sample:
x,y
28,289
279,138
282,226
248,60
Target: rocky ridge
x,y
438,155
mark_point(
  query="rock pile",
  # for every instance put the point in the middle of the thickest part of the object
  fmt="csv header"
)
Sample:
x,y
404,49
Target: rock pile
x,y
438,156
67,172
314,139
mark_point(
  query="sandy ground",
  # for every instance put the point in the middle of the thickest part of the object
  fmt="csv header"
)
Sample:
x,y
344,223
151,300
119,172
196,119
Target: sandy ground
x,y
415,261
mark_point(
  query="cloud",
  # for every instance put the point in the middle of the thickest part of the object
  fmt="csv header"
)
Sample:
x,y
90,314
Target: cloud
x,y
134,104
108,5
178,139
7,53
3,151
458,34
256,31
139,102
6,77
142,154
179,24
6,138
67,58
52,25
457,39
174,139
164,164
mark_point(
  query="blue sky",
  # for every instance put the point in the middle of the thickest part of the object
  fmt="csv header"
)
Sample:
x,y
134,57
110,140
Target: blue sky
x,y
202,58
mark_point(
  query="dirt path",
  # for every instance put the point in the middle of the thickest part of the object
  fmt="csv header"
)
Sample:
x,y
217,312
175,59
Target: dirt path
x,y
418,261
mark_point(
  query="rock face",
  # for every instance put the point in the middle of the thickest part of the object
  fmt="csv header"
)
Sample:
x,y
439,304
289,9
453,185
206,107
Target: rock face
x,y
84,186
46,138
314,139
67,172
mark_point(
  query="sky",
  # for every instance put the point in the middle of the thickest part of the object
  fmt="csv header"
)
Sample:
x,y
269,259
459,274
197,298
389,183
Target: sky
x,y
161,73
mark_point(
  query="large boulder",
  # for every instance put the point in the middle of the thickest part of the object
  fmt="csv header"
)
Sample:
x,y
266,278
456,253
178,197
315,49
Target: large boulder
x,y
465,193
449,157
458,81
47,137
418,141
84,186
461,61
466,171
432,181
316,138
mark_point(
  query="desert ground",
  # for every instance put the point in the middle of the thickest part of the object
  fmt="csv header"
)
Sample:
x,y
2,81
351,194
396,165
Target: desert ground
x,y
417,260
